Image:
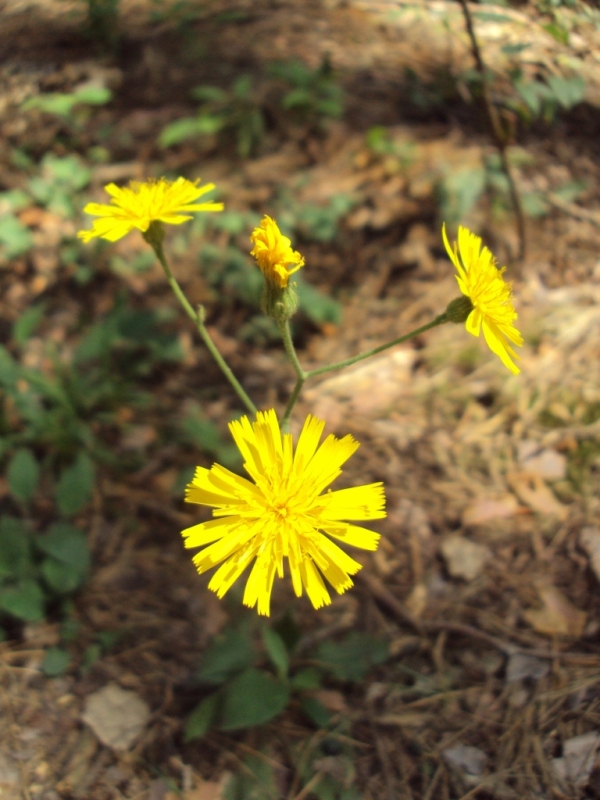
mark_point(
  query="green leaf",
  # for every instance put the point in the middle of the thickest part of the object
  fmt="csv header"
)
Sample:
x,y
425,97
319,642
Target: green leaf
x,y
189,128
15,238
56,662
309,678
93,95
55,103
352,658
557,31
75,486
316,711
66,544
9,369
209,94
61,578
229,654
491,16
568,91
23,475
460,190
24,601
28,323
318,307
202,717
15,548
253,698
515,49
69,560
276,650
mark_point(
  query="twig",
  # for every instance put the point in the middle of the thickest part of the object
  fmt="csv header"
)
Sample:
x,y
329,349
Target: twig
x,y
316,778
498,133
423,627
573,210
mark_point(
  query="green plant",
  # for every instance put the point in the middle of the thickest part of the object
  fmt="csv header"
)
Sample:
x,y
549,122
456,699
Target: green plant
x,y
235,113
313,94
543,99
73,107
38,570
251,681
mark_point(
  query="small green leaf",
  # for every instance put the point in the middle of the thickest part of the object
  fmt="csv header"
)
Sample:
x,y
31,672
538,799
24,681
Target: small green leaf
x,y
93,95
492,16
65,543
23,475
309,678
15,548
68,563
75,486
24,601
15,238
202,717
352,658
229,654
253,698
56,661
276,649
28,323
515,49
189,128
568,91
316,711
9,369
318,307
61,578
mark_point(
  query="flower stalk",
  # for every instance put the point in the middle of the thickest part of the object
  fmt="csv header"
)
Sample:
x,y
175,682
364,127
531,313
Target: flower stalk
x,y
197,317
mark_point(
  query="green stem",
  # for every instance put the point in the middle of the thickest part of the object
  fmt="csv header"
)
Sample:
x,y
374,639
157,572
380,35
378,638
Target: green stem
x,y
301,375
439,320
198,320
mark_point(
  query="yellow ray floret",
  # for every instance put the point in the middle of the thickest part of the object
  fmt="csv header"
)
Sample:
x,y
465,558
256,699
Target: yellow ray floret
x,y
273,253
282,514
482,282
139,204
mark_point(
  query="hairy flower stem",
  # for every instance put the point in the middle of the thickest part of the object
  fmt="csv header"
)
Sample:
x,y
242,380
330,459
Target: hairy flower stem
x,y
303,376
198,320
286,335
439,320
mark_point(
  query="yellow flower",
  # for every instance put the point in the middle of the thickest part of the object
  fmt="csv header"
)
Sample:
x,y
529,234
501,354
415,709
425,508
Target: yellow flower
x,y
481,281
139,204
274,254
283,514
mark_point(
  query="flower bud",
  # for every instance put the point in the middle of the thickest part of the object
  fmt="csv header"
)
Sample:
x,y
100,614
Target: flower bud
x,y
459,309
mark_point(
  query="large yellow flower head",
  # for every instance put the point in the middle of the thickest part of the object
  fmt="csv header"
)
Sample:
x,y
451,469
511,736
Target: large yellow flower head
x,y
482,282
273,252
282,513
140,204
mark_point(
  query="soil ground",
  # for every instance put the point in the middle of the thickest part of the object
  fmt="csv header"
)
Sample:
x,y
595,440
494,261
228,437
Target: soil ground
x,y
486,585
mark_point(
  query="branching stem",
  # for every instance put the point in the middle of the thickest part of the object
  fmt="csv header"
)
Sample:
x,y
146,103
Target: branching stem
x,y
198,320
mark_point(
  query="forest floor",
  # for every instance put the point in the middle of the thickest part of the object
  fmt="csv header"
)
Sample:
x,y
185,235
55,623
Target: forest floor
x,y
486,586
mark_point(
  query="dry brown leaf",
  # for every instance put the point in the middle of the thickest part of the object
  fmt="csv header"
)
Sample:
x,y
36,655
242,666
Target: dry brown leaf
x,y
558,616
208,790
467,759
578,759
464,558
531,490
485,510
116,716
